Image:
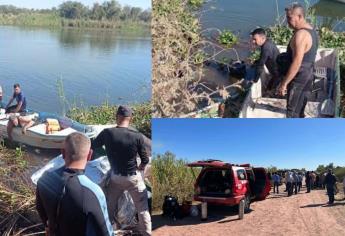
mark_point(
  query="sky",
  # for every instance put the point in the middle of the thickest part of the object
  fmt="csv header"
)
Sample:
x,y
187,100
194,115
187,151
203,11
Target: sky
x,y
44,4
284,143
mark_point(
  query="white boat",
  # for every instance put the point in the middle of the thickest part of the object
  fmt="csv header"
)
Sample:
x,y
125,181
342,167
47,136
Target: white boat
x,y
257,106
36,135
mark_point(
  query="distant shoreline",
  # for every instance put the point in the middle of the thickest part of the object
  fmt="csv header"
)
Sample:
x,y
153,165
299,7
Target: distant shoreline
x,y
108,15
55,21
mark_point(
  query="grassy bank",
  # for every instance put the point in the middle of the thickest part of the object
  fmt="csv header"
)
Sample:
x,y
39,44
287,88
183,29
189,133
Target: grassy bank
x,y
170,175
17,194
104,114
54,20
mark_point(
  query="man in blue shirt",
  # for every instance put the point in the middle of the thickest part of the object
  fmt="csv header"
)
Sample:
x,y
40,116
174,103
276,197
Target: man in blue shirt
x,y
276,181
20,98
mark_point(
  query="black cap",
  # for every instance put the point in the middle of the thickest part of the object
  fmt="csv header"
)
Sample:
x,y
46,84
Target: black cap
x,y
124,111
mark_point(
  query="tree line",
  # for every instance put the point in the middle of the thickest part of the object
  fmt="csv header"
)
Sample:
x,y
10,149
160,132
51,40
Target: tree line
x,y
108,10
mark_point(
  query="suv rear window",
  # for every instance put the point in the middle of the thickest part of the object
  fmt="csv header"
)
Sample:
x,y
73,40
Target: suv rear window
x,y
241,174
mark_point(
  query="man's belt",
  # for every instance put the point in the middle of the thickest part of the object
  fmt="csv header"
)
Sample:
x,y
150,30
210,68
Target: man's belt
x,y
124,173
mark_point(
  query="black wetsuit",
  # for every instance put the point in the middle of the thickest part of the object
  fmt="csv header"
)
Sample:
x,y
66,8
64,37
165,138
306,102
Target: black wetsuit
x,y
71,204
268,57
122,146
299,89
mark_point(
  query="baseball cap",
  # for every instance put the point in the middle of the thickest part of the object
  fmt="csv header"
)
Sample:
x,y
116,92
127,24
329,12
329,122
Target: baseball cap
x,y
124,111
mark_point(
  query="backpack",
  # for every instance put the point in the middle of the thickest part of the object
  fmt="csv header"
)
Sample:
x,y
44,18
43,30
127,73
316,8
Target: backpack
x,y
171,207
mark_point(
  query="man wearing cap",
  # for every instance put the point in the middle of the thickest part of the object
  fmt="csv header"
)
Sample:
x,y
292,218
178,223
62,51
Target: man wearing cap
x,y
122,146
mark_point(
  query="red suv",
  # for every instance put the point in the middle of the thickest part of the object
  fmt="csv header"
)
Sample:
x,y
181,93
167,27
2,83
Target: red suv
x,y
221,183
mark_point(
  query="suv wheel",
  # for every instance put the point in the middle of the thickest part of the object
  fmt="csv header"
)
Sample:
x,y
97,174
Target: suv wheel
x,y
246,204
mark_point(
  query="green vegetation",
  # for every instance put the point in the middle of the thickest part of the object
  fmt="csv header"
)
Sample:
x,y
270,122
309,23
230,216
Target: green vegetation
x,y
339,171
17,194
171,176
109,15
227,38
105,114
177,56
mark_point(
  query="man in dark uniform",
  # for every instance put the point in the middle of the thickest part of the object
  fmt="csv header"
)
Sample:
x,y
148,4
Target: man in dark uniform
x,y
330,182
68,202
122,147
268,57
301,51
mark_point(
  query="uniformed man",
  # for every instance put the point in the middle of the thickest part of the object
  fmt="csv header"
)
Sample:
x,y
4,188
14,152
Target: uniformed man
x,y
68,202
122,147
301,51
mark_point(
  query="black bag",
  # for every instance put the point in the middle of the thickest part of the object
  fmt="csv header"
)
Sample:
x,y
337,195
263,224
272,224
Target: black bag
x,y
238,69
171,207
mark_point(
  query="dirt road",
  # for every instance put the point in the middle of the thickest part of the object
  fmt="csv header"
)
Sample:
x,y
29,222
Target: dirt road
x,y
301,214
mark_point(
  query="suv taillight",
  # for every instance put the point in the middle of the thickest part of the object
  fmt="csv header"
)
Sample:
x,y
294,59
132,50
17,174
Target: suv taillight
x,y
239,186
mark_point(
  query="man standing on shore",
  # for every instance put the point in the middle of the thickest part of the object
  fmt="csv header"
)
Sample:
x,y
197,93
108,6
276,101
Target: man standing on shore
x,y
122,147
301,51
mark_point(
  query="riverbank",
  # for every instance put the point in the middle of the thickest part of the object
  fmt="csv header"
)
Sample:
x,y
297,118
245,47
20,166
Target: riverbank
x,y
180,60
53,20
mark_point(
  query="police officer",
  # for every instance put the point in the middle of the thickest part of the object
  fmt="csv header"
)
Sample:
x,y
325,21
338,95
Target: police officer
x,y
330,182
301,52
122,146
68,202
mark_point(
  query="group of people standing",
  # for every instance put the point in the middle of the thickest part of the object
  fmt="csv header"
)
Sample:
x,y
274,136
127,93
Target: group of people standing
x,y
69,203
293,182
292,72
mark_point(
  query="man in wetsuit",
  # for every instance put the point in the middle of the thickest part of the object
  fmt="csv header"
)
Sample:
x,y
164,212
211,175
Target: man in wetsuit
x,y
301,51
122,147
268,57
68,202
20,98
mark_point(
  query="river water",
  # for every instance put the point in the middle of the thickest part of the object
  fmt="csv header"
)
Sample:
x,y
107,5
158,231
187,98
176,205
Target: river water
x,y
93,65
243,16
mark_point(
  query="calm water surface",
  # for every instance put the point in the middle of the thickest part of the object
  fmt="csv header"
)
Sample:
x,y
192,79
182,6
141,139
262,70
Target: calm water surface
x,y
94,66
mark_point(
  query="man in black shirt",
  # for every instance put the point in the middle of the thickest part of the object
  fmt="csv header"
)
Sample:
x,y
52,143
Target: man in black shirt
x,y
330,181
68,202
268,56
122,147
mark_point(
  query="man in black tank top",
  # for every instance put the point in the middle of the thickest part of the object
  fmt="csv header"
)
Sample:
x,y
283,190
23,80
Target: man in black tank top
x,y
302,50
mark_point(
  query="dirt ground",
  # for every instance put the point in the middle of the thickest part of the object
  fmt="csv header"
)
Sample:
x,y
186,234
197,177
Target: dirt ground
x,y
301,214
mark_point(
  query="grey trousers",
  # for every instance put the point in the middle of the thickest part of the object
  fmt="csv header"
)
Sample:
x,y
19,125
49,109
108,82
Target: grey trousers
x,y
136,188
